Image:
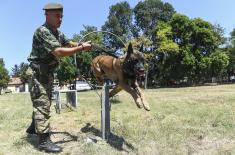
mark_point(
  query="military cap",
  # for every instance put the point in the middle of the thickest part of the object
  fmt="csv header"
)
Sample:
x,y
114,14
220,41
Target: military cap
x,y
53,6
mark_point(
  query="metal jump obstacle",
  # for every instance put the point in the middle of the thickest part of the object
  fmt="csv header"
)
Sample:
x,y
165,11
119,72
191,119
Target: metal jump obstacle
x,y
105,111
71,98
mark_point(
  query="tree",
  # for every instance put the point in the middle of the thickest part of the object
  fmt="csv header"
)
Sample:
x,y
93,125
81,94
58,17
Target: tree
x,y
66,72
20,71
23,76
219,30
119,22
197,40
165,43
149,13
4,77
219,63
167,53
15,71
230,49
182,29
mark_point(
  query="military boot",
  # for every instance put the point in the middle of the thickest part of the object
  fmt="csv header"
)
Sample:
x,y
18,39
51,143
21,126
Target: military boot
x,y
45,144
31,128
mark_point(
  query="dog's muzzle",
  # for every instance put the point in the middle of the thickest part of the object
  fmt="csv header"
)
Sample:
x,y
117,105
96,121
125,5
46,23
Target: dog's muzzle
x,y
140,72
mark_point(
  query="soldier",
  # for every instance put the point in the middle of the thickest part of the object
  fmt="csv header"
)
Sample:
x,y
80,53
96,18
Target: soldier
x,y
48,45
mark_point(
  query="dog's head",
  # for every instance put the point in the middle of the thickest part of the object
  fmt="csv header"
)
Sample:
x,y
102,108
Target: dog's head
x,y
133,64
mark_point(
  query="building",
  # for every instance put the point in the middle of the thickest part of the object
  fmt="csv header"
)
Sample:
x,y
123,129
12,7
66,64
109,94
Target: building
x,y
16,85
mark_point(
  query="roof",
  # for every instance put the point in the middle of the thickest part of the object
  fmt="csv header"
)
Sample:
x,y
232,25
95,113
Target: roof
x,y
15,81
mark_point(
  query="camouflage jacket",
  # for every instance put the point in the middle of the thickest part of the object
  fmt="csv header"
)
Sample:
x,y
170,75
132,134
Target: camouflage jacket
x,y
44,42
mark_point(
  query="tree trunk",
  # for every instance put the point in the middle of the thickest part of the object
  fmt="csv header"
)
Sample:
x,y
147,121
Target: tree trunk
x,y
146,79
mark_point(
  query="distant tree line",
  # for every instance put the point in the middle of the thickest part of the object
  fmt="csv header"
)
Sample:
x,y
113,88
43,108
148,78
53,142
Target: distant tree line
x,y
179,50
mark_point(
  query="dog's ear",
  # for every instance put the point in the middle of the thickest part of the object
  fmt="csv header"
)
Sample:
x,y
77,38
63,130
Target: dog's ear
x,y
141,48
129,50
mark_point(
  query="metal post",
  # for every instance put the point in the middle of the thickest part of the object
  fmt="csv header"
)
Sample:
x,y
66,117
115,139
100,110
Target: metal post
x,y
105,112
58,102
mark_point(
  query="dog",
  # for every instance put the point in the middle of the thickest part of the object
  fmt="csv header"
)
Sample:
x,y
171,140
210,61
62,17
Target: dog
x,y
124,71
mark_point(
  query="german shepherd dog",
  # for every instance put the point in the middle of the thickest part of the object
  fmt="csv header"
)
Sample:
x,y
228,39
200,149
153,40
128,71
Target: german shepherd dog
x,y
124,71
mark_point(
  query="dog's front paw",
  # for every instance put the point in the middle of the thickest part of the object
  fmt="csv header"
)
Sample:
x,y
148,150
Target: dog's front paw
x,y
147,107
139,103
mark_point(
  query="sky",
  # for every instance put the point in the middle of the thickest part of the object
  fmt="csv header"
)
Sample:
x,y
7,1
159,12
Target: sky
x,y
19,19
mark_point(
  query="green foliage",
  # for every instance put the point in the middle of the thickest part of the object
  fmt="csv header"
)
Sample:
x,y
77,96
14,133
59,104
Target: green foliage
x,y
139,41
20,71
219,62
23,76
165,42
119,22
197,41
84,59
83,64
94,36
188,57
149,13
15,70
188,63
230,49
181,29
219,31
204,67
204,39
4,77
1,61
66,72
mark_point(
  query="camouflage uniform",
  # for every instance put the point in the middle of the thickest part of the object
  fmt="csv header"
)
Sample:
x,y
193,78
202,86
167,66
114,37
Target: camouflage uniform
x,y
43,64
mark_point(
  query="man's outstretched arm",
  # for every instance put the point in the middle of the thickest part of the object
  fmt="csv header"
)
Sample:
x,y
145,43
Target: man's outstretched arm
x,y
68,51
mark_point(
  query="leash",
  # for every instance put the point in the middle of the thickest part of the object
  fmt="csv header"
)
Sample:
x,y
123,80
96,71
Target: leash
x,y
98,48
91,85
101,32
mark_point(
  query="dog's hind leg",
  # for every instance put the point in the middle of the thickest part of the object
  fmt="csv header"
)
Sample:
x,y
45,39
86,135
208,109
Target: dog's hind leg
x,y
115,90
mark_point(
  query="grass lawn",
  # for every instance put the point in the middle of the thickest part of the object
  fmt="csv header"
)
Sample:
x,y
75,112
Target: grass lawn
x,y
193,120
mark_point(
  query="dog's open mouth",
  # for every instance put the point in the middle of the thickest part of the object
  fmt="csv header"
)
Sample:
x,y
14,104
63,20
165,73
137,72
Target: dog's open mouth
x,y
140,72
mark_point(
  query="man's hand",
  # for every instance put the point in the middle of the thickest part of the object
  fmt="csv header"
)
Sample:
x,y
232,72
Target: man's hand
x,y
86,45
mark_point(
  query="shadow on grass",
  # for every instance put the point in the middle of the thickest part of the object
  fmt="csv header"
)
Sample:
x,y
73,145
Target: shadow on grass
x,y
114,101
68,136
114,141
33,139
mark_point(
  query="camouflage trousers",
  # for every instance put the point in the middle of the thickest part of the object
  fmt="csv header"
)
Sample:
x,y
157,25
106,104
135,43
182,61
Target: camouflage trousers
x,y
40,92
